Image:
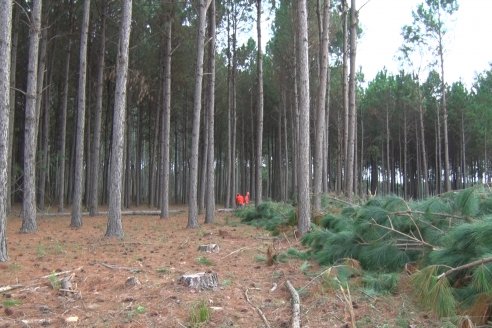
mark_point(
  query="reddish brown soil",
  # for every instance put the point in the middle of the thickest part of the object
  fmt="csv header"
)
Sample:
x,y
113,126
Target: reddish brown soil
x,y
157,252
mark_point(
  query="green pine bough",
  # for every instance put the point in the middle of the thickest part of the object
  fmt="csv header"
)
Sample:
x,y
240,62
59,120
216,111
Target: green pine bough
x,y
448,238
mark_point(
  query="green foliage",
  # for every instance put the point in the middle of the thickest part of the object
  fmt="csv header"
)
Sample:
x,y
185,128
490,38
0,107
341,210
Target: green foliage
x,y
482,279
381,283
11,302
467,202
204,261
200,314
439,233
55,282
268,215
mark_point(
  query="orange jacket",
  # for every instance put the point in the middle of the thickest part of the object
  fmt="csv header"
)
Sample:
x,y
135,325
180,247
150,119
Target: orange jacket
x,y
246,198
239,200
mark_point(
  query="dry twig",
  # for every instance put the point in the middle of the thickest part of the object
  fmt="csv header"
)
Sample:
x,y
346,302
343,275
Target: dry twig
x,y
265,321
234,252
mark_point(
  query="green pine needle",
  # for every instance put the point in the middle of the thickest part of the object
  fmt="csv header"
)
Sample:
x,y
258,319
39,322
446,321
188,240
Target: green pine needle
x,y
482,279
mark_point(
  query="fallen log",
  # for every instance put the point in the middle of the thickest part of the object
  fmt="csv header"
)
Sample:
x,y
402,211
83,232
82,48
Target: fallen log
x,y
9,287
296,305
144,212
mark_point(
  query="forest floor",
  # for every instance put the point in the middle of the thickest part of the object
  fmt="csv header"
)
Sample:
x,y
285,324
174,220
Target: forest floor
x,y
157,252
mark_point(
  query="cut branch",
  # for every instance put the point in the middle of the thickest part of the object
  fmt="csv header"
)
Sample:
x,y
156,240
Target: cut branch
x,y
9,288
465,266
296,306
422,242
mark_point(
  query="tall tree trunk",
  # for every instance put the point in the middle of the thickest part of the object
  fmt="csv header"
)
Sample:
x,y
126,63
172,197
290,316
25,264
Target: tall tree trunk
x,y
197,104
45,140
259,113
447,172
463,151
405,154
115,227
43,45
5,53
210,194
96,143
345,89
61,158
320,113
166,120
425,179
326,147
228,190
76,221
304,220
13,66
349,188
30,138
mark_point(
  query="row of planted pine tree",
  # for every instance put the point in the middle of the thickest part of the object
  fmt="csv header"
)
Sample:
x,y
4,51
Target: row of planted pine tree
x,y
205,115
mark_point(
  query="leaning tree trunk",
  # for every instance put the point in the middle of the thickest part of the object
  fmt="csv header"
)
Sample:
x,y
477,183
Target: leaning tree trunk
x,y
76,221
320,113
96,141
30,138
259,114
115,227
304,220
210,194
166,120
5,44
192,196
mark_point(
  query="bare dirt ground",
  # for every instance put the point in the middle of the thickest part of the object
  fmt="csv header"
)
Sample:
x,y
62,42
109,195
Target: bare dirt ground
x,y
157,252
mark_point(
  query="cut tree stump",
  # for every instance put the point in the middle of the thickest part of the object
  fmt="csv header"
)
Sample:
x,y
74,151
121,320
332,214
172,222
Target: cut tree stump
x,y
210,248
200,280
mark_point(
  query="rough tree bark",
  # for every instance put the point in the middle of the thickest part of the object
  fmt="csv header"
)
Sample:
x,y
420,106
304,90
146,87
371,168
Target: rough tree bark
x,y
60,177
13,66
115,227
349,186
43,44
95,157
259,114
29,200
166,120
5,53
197,105
304,220
210,195
320,113
76,221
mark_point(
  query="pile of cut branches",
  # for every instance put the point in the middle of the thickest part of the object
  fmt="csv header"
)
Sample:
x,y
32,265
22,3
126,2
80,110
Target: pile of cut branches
x,y
449,238
268,215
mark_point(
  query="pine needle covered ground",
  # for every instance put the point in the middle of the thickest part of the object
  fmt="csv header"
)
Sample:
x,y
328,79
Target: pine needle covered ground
x,y
444,242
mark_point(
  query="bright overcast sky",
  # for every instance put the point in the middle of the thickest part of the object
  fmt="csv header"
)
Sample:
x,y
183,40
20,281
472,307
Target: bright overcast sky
x,y
468,46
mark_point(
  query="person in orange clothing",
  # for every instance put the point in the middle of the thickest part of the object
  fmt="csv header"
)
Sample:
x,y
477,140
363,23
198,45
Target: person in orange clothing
x,y
239,200
246,198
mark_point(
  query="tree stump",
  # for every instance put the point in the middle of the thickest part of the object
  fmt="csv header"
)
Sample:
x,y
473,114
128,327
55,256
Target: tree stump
x,y
210,248
200,280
